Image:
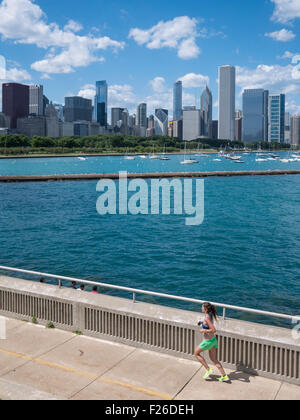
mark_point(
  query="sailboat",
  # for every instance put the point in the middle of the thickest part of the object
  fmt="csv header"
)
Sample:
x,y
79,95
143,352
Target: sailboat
x,y
188,161
153,156
127,157
164,157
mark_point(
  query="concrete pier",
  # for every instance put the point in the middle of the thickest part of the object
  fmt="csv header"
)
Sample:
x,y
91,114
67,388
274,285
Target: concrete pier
x,y
152,175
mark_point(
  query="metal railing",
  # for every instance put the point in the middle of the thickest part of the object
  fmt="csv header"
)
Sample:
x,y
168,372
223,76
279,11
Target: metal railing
x,y
134,292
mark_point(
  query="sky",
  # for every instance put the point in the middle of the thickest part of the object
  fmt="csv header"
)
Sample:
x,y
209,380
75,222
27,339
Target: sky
x,y
142,47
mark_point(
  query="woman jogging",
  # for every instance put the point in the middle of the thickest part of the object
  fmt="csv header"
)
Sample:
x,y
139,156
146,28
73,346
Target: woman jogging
x,y
210,342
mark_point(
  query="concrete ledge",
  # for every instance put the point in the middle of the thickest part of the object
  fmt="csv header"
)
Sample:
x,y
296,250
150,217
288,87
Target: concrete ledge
x,y
88,177
264,350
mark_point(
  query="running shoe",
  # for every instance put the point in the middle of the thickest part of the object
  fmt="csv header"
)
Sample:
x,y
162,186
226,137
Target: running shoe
x,y
224,379
207,374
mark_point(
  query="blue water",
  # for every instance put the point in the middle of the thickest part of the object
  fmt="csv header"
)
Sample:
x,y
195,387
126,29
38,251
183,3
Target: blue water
x,y
112,164
246,253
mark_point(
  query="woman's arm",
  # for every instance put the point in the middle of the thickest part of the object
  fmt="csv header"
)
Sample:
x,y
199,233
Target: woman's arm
x,y
212,329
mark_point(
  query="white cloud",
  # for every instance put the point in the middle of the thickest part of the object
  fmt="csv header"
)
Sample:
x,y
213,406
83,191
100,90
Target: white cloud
x,y
158,84
192,80
14,74
179,33
292,107
24,22
284,35
73,26
285,79
286,10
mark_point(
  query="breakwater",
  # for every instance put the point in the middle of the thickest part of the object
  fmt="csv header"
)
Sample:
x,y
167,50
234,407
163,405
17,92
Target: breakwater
x,y
90,177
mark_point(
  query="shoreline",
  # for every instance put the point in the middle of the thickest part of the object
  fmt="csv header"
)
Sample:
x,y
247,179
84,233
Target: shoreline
x,y
118,154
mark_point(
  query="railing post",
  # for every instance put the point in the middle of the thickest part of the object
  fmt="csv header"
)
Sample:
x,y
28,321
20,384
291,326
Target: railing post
x,y
59,283
134,297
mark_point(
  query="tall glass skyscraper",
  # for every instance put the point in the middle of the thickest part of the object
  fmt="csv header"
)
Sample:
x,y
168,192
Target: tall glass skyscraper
x,y
206,108
100,108
254,115
276,118
227,102
161,122
141,115
177,101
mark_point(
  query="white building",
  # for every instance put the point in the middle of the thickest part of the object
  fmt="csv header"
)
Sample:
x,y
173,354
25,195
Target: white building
x,y
227,102
191,124
161,122
36,104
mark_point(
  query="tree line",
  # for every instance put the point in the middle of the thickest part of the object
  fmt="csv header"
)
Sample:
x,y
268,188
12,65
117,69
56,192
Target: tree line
x,y
119,142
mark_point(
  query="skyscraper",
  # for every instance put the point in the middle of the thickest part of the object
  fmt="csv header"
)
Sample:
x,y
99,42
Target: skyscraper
x,y
141,115
15,102
206,108
177,101
191,124
77,109
226,102
276,118
36,100
161,122
116,115
100,107
295,130
254,115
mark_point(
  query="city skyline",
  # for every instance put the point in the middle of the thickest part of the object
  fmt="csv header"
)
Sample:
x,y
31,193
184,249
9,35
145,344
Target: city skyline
x,y
131,47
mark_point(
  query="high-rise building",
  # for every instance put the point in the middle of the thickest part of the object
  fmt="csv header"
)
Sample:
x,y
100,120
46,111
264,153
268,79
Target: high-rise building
x,y
178,129
226,102
15,102
266,114
215,127
287,128
77,109
295,130
206,108
141,115
36,100
191,125
60,111
276,118
100,106
116,115
31,126
238,125
161,122
254,115
177,101
52,122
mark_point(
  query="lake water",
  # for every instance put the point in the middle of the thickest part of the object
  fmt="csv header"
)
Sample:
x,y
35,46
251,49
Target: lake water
x,y
246,253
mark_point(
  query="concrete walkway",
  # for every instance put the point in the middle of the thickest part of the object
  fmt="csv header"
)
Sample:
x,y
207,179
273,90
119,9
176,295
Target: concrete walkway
x,y
41,364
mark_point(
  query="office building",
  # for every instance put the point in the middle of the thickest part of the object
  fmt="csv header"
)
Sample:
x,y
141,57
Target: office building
x,y
161,122
215,129
116,116
52,122
141,115
276,118
191,124
177,101
287,128
77,109
100,105
178,129
36,100
31,126
238,125
254,115
60,111
4,121
295,130
15,102
206,110
226,102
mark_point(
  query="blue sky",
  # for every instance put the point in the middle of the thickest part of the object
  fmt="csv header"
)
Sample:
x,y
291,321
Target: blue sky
x,y
141,48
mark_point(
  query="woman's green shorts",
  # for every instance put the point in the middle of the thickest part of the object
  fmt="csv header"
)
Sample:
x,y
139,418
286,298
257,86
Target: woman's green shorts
x,y
209,344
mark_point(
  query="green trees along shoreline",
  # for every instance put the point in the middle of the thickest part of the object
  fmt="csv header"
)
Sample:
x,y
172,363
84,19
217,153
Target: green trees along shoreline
x,y
18,144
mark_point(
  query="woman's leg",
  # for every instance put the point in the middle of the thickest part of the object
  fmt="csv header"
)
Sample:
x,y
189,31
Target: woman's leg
x,y
200,359
213,358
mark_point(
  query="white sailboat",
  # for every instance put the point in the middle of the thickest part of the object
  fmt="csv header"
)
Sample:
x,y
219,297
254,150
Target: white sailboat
x,y
188,161
164,157
153,156
127,157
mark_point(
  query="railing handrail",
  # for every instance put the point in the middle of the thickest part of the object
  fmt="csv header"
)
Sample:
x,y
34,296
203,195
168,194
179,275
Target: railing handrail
x,y
156,294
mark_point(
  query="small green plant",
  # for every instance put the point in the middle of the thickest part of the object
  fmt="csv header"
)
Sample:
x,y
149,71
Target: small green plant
x,y
77,332
34,320
50,325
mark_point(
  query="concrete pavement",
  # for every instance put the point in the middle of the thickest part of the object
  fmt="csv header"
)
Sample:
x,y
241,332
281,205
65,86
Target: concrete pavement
x,y
43,364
